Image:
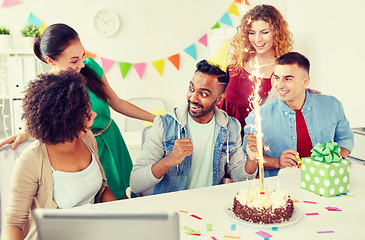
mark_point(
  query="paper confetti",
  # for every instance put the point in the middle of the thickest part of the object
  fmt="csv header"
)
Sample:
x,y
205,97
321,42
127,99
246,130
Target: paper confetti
x,y
233,237
233,227
209,227
310,202
187,229
326,232
263,234
274,228
311,214
195,234
195,216
333,209
183,211
214,238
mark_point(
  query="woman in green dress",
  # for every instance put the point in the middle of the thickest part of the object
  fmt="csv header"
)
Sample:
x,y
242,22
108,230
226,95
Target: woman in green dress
x,y
60,47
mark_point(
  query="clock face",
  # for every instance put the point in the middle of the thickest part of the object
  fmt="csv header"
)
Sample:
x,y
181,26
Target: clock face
x,y
106,22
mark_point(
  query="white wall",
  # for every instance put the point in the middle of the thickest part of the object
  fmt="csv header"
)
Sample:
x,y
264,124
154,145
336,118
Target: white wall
x,y
328,32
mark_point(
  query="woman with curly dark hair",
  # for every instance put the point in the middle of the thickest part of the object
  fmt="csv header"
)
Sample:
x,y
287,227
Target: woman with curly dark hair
x,y
263,34
60,47
61,169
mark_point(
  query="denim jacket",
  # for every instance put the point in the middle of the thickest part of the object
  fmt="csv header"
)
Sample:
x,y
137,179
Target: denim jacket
x,y
324,116
160,141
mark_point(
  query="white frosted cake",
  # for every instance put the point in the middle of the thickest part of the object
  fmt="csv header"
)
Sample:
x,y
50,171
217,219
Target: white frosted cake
x,y
274,207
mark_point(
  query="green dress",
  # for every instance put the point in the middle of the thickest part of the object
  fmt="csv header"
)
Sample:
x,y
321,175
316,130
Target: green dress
x,y
112,150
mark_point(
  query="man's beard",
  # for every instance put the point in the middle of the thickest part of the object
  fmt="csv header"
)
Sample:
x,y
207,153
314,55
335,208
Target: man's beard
x,y
203,112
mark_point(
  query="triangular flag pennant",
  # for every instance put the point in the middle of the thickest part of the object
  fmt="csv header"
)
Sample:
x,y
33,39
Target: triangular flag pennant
x,y
89,54
175,59
238,1
204,40
226,19
158,64
220,57
124,68
216,26
43,27
246,2
8,3
106,63
191,50
233,9
33,20
140,67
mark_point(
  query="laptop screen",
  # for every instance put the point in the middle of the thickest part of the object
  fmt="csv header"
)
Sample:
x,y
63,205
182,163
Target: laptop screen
x,y
103,224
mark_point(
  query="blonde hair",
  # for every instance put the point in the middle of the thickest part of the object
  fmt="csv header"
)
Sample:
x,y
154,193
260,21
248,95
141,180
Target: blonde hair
x,y
242,50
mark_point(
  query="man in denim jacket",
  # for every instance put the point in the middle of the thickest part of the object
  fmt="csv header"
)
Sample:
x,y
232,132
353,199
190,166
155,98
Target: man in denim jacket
x,y
297,120
193,145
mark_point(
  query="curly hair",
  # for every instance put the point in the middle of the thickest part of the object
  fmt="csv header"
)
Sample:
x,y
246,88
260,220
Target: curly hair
x,y
56,107
243,50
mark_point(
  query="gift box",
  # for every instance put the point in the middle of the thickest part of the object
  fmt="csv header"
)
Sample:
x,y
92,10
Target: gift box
x,y
325,172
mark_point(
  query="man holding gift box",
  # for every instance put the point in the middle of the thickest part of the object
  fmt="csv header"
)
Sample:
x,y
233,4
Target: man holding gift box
x,y
297,119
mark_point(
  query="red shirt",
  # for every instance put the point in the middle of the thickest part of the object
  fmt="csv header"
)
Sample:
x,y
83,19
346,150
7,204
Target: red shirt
x,y
304,142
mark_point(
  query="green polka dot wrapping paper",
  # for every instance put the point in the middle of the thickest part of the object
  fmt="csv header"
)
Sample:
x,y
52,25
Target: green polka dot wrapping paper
x,y
326,179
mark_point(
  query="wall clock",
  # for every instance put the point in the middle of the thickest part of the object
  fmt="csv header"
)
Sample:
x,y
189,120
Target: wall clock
x,y
106,22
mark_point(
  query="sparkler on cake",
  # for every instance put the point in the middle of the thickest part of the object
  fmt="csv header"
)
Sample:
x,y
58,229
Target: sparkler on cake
x,y
261,205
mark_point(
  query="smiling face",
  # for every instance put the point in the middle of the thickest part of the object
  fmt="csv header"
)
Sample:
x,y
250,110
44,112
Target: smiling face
x,y
290,82
261,37
70,58
204,93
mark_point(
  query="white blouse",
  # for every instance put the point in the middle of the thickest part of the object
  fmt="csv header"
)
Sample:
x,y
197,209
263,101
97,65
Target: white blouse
x,y
71,189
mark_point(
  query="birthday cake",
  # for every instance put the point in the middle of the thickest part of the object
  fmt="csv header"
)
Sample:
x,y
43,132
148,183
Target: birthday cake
x,y
274,207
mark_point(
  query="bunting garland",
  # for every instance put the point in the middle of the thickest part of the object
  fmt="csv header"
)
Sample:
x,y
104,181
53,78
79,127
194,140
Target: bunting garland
x,y
204,40
140,67
8,3
175,60
106,63
191,50
89,55
226,19
124,68
158,64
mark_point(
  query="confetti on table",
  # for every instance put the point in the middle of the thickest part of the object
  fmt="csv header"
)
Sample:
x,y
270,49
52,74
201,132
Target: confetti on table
x,y
214,238
309,202
274,228
233,227
296,201
263,234
209,227
311,214
347,195
187,229
194,234
326,232
233,237
183,211
195,216
333,209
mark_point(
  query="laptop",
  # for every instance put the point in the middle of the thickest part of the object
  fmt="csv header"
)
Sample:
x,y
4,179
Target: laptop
x,y
99,224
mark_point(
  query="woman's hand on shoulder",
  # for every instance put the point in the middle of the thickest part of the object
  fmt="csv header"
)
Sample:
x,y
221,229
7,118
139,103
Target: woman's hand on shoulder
x,y
314,91
15,140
